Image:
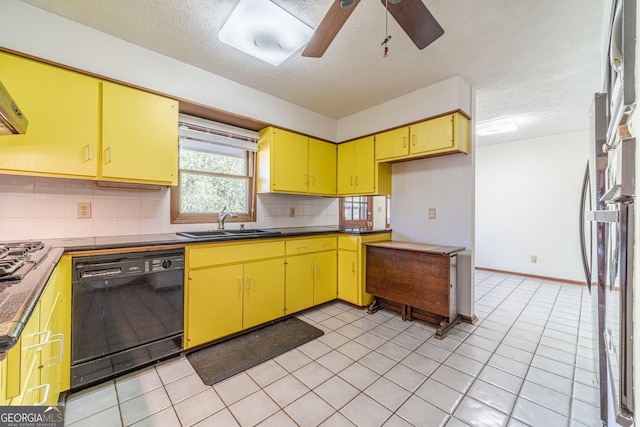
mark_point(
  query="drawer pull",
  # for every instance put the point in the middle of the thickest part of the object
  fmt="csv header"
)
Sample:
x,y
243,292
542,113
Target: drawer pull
x,y
88,152
57,338
248,282
404,142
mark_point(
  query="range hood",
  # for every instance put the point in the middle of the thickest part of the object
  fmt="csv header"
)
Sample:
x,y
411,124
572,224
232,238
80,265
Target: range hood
x,y
12,121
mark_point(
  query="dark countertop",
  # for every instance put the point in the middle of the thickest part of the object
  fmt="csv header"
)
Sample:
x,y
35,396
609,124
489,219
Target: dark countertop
x,y
18,299
123,242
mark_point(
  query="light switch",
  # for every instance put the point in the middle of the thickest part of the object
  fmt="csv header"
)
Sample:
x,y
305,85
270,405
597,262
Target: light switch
x,y
432,213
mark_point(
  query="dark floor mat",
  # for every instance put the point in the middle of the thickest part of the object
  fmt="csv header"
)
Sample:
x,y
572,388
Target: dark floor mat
x,y
220,361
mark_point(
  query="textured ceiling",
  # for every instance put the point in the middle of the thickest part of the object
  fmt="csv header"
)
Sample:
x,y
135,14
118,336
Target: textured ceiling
x,y
536,61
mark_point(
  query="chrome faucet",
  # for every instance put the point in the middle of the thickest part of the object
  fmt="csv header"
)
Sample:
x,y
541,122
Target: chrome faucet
x,y
224,213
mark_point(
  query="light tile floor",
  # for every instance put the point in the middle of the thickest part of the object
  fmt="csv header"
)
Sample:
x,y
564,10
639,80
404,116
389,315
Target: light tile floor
x,y
528,361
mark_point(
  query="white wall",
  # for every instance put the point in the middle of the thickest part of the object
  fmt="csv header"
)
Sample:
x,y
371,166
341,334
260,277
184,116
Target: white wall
x,y
527,203
40,208
444,183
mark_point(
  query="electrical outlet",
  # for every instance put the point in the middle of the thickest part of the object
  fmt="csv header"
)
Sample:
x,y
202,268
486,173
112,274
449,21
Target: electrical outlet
x,y
534,259
432,213
379,209
84,210
292,212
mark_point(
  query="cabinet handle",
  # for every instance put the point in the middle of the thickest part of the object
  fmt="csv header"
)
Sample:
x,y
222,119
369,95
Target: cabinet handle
x,y
306,179
248,282
317,269
47,335
46,388
351,180
413,140
88,152
311,269
59,338
301,248
404,142
108,154
353,267
313,180
239,284
356,180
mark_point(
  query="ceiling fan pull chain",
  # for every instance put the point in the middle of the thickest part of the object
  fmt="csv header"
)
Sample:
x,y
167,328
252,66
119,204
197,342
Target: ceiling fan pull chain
x,y
386,30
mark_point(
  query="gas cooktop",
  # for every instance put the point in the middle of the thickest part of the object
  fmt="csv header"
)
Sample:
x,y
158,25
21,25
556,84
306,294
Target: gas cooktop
x,y
18,258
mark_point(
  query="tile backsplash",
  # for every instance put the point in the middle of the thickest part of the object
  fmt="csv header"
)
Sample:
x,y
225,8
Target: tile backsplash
x,y
40,208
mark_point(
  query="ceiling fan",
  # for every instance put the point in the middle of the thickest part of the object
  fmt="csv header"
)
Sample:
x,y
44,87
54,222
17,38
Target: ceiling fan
x,y
412,15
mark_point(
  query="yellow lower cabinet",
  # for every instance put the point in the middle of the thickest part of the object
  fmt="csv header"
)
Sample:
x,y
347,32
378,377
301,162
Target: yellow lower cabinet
x,y
325,277
299,283
352,267
348,276
263,292
214,304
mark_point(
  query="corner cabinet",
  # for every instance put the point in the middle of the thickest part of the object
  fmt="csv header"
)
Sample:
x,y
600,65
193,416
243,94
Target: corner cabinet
x,y
352,258
82,127
292,163
358,172
37,369
232,287
447,134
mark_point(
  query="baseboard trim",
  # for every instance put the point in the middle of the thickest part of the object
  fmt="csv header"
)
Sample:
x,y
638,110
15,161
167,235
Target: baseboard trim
x,y
555,279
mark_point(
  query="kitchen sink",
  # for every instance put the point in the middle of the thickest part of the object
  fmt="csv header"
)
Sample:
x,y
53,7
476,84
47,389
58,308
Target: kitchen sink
x,y
226,233
202,234
250,231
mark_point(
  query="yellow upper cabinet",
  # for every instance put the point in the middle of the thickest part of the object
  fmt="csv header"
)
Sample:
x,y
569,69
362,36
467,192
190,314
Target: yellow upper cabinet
x,y
442,135
139,136
293,163
322,167
358,172
82,127
62,108
393,143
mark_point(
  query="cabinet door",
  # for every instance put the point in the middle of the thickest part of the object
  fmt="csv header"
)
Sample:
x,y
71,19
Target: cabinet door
x,y
364,169
62,109
263,291
289,153
393,143
214,304
325,277
346,163
139,136
348,276
322,167
434,134
299,283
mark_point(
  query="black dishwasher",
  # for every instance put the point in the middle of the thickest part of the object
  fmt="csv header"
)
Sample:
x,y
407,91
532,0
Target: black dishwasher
x,y
127,311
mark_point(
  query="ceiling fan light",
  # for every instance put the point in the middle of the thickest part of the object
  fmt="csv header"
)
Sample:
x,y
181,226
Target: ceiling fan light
x,y
346,4
264,30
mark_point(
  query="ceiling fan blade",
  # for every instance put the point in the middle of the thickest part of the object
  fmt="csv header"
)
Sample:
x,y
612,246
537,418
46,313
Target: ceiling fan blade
x,y
328,29
416,20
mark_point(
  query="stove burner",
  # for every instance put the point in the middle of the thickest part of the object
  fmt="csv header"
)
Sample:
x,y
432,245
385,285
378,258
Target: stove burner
x,y
18,258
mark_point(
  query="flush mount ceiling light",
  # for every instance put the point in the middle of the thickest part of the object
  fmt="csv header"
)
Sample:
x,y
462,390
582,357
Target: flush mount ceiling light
x,y
264,30
492,127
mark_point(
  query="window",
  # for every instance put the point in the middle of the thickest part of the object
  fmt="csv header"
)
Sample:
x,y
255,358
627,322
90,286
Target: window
x,y
355,212
216,171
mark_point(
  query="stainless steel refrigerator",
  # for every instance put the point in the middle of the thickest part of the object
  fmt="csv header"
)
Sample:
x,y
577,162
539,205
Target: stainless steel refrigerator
x,y
607,220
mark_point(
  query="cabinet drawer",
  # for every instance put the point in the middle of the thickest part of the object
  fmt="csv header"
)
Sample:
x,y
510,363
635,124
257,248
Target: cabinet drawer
x,y
304,246
234,253
348,243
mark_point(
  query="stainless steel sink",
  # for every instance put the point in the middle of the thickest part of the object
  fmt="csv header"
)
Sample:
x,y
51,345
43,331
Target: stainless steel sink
x,y
227,233
250,232
202,234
